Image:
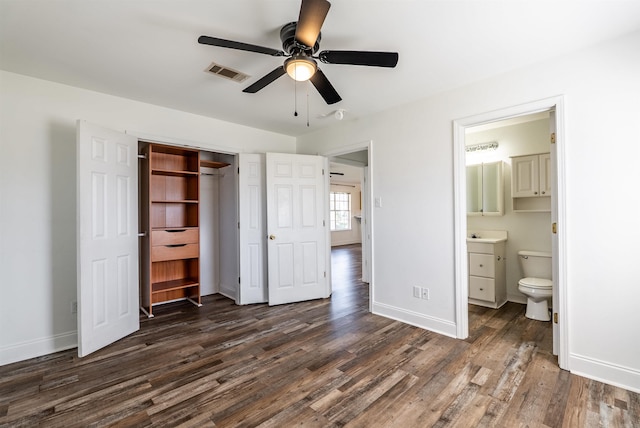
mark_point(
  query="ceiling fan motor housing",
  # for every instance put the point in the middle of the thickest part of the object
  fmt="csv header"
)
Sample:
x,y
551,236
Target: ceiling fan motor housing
x,y
291,46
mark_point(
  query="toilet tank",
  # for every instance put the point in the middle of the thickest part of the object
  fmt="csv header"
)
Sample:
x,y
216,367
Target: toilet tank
x,y
535,264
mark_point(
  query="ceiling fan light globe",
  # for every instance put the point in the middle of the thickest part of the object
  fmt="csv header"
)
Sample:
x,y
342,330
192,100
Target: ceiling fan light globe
x,y
300,69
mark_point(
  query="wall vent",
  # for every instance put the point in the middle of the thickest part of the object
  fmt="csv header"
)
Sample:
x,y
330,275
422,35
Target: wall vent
x,y
227,73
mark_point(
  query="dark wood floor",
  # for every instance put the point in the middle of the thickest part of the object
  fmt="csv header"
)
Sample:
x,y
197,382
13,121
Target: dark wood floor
x,y
321,363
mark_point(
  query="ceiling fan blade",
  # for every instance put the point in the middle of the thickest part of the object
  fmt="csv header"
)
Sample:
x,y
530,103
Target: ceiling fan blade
x,y
264,81
214,41
310,20
324,87
370,58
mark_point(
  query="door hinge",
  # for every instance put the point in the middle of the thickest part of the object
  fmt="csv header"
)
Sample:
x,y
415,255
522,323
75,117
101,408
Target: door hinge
x,y
323,224
555,317
554,228
238,225
553,138
322,171
238,170
238,280
325,273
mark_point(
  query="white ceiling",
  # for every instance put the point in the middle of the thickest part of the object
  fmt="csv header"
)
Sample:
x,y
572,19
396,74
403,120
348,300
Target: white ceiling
x,y
147,50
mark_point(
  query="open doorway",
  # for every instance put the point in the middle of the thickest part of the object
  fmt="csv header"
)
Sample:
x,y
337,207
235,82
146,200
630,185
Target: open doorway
x,y
350,173
552,209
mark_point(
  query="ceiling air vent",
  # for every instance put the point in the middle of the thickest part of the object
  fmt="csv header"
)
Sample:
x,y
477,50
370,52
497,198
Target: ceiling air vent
x,y
227,73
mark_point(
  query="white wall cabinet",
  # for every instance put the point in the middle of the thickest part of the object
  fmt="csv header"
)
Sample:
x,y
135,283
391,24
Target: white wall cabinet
x,y
485,189
487,274
531,182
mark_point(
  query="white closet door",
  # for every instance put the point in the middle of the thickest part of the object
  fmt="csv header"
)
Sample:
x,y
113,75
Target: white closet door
x,y
107,200
253,277
297,247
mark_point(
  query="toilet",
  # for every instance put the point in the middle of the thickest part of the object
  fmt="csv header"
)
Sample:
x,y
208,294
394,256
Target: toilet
x,y
536,285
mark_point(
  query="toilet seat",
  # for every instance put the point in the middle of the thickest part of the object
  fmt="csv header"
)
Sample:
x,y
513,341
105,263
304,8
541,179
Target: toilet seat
x,y
539,283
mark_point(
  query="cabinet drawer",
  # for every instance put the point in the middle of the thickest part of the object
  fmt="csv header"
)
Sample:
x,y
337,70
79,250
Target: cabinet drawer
x,y
176,236
482,288
480,247
174,252
481,265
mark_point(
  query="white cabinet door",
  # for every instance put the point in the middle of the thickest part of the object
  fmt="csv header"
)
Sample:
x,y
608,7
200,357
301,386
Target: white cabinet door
x,y
253,281
524,172
545,174
107,180
298,241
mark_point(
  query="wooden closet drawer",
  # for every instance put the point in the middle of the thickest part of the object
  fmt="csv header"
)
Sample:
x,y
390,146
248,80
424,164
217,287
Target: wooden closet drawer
x,y
162,253
176,236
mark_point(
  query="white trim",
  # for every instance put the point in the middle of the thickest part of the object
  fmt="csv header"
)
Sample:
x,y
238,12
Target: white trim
x,y
178,142
460,231
436,325
602,371
460,221
38,347
356,147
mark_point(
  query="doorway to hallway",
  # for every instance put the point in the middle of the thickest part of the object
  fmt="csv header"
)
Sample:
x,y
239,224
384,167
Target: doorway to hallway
x,y
349,291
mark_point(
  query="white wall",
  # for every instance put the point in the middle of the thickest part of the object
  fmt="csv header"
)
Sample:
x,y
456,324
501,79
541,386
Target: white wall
x,y
353,236
526,231
413,239
38,196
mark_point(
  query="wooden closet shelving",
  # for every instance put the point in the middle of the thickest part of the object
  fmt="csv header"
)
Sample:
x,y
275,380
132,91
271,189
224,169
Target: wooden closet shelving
x,y
171,185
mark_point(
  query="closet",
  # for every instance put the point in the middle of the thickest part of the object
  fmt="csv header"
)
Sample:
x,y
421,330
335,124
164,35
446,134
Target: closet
x,y
182,212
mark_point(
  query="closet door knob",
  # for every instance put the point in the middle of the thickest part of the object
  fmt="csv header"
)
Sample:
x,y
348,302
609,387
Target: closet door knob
x,y
272,237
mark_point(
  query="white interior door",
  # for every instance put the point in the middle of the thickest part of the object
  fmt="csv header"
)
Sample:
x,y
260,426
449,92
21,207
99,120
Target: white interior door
x,y
107,193
555,299
253,278
229,251
298,241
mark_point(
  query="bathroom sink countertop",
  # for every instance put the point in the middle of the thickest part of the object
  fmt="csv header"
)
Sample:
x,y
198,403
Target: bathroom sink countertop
x,y
486,240
487,236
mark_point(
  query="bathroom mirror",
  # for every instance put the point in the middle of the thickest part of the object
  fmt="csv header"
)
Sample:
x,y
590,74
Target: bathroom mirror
x,y
485,189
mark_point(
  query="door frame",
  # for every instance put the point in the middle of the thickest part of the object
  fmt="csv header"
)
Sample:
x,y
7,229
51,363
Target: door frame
x,y
368,208
460,215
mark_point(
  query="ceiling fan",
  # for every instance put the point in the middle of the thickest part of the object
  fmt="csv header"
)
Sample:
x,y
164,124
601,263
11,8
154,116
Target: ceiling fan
x,y
300,41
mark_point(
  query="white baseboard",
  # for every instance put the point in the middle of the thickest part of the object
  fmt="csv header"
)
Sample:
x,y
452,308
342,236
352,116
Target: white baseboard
x,y
437,325
343,243
602,371
39,347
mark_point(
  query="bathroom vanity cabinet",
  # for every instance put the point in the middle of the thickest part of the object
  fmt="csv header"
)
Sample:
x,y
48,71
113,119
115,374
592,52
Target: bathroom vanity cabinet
x,y
531,182
487,273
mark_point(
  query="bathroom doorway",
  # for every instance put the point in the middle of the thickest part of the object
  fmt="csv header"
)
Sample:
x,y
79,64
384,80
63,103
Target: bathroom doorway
x,y
541,216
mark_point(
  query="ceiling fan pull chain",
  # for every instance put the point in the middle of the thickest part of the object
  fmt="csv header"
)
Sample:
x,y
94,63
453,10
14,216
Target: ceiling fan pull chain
x,y
295,98
307,105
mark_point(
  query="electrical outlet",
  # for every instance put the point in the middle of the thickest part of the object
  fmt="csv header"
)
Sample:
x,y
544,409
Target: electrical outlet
x,y
425,293
74,307
416,292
